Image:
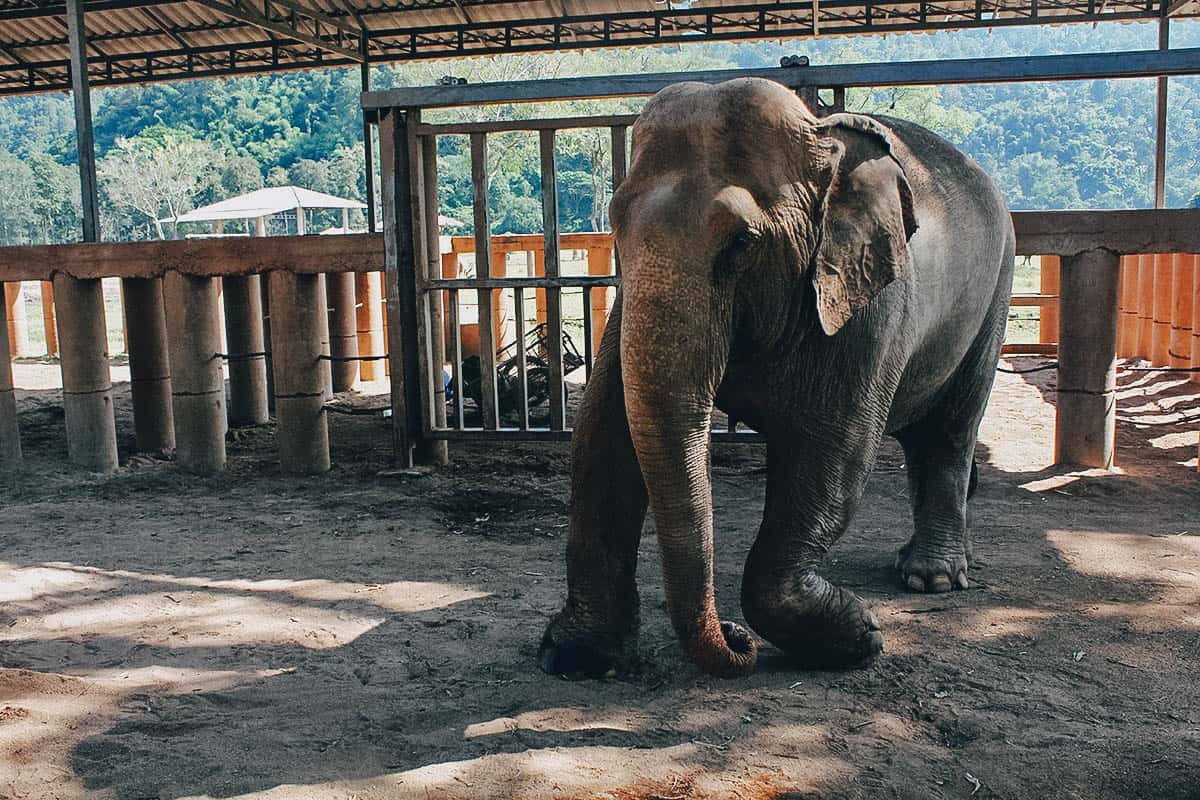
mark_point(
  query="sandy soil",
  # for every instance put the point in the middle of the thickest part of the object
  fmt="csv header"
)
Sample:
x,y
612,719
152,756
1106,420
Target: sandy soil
x,y
368,635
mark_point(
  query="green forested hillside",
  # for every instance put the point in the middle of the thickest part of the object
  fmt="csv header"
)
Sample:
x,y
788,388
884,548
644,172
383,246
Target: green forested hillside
x,y
164,149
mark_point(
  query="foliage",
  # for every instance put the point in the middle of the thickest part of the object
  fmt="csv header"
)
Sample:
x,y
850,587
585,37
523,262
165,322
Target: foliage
x,y
166,148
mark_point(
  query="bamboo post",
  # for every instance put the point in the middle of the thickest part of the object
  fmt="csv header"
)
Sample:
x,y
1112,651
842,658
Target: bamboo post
x,y
10,436
343,330
368,290
1182,270
197,377
1087,352
48,323
1160,348
1128,326
245,339
1145,305
87,384
303,432
1049,269
149,366
18,320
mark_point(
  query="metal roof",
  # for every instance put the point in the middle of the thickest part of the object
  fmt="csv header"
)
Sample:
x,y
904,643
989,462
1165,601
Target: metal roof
x,y
265,202
139,41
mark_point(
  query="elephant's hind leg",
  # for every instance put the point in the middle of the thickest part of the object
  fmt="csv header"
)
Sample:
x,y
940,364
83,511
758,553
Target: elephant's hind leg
x,y
596,632
813,489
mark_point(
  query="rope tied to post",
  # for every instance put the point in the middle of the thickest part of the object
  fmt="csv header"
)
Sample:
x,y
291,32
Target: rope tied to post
x,y
242,356
325,357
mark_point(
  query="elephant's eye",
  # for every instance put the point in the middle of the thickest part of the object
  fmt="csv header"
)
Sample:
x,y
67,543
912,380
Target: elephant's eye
x,y
735,249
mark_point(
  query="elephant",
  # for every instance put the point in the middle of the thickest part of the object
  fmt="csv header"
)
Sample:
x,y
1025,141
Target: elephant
x,y
828,281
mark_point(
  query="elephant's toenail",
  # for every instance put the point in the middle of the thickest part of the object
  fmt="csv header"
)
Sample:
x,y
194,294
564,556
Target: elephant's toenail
x,y
963,583
941,583
915,583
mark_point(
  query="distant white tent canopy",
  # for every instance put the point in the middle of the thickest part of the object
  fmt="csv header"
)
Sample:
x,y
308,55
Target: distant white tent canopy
x,y
264,203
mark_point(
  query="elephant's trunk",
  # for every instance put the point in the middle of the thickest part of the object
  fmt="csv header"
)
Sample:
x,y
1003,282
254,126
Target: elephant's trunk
x,y
669,401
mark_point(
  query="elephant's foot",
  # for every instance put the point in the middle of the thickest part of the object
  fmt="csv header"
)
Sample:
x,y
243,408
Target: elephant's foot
x,y
814,622
573,651
923,570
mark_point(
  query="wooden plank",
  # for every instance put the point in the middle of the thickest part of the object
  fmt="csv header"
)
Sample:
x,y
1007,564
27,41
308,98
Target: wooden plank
x,y
434,302
548,123
1029,349
560,282
483,268
1087,66
552,247
1033,300
589,336
522,365
362,252
420,256
1066,233
525,242
456,357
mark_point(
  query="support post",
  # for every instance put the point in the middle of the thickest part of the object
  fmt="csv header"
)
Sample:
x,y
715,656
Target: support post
x,y
149,365
368,144
1196,320
197,379
1048,269
368,290
343,333
1160,343
1087,352
323,328
1160,117
10,436
1182,272
1145,301
1128,326
81,90
18,320
244,338
599,263
485,268
49,325
553,252
437,451
260,229
87,384
303,432
400,283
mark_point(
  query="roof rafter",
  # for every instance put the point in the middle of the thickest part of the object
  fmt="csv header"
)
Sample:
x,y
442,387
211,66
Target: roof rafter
x,y
291,25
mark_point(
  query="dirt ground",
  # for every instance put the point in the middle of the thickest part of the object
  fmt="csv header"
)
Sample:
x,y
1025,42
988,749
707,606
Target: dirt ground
x,y
367,634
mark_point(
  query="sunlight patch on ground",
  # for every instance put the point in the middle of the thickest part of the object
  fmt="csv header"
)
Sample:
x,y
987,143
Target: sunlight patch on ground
x,y
558,719
44,716
1066,479
193,619
1167,566
1021,406
907,631
406,597
785,758
23,584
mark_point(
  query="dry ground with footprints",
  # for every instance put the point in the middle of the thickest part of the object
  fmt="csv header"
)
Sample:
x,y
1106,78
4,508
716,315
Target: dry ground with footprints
x,y
373,634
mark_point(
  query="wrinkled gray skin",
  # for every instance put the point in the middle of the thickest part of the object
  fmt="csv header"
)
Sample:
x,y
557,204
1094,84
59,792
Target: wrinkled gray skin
x,y
825,281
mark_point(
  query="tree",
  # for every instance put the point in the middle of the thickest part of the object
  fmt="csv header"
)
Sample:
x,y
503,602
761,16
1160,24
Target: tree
x,y
17,221
158,175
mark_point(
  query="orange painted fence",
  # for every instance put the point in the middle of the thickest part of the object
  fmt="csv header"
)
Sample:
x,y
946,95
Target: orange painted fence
x,y
1159,318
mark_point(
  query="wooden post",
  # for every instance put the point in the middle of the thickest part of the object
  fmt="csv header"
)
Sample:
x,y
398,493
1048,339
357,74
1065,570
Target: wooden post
x,y
18,320
87,384
343,330
197,377
303,432
399,239
484,269
1160,348
1128,326
245,338
149,366
539,270
1145,305
1049,267
369,311
48,322
1087,352
10,437
436,451
323,328
1196,319
264,293
77,45
549,172
1182,269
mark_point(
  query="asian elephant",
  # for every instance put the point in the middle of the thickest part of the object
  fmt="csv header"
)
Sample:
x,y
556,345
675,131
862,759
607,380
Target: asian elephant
x,y
826,281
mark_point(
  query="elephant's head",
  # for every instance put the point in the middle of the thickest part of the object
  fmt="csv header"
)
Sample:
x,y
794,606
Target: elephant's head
x,y
744,223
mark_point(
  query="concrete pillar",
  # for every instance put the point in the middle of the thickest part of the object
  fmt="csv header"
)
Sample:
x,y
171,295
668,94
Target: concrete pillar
x,y
1182,269
197,379
343,329
368,289
49,326
149,364
1087,353
18,320
10,437
323,327
303,434
1048,270
1160,348
244,336
1145,301
87,383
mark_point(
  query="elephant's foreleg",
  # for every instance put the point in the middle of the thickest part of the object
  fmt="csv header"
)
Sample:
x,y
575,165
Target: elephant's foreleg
x,y
813,488
596,632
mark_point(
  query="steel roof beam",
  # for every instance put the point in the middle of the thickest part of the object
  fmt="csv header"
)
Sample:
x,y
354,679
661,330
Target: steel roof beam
x,y
242,11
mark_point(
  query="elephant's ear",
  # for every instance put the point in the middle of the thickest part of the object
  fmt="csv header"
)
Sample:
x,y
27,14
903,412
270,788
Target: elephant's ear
x,y
866,218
